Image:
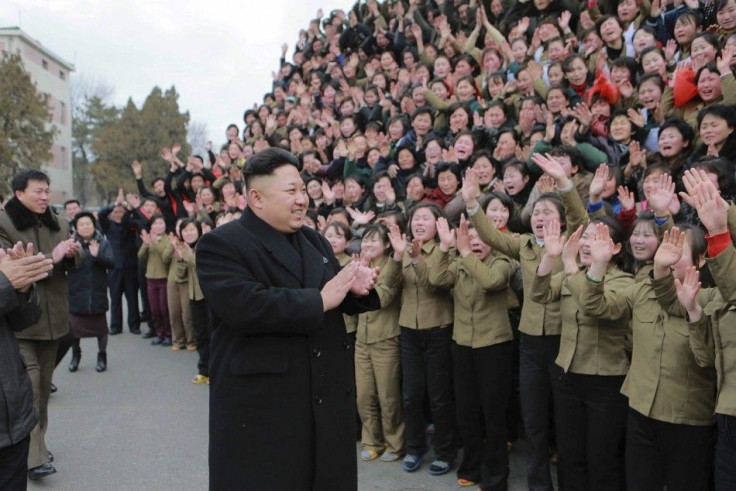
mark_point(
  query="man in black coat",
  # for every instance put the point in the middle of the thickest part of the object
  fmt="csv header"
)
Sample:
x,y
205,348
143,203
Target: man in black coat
x,y
19,308
282,389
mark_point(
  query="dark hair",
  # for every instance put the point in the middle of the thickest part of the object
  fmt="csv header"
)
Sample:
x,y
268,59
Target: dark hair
x,y
720,4
436,211
461,105
423,110
232,125
447,166
555,200
70,201
695,15
381,232
475,69
682,126
340,211
186,222
83,214
514,223
154,217
722,111
629,64
341,228
265,162
652,77
648,50
575,156
603,19
20,180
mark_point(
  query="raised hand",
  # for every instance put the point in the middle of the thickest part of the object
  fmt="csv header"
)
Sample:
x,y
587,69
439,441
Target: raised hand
x,y
145,236
415,250
661,196
602,247
570,251
445,234
552,168
63,249
398,241
94,248
637,155
554,240
166,154
626,198
712,209
687,293
546,184
463,238
669,252
365,276
582,113
471,188
136,166
636,117
598,183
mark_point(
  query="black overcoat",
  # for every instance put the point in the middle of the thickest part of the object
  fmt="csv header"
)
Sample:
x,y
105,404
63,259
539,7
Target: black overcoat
x,y
282,389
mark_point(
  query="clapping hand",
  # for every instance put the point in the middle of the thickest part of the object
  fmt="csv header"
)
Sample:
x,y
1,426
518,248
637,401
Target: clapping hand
x,y
626,198
398,241
712,209
445,234
471,188
660,198
145,236
598,183
25,269
463,238
687,293
554,240
570,251
64,249
365,276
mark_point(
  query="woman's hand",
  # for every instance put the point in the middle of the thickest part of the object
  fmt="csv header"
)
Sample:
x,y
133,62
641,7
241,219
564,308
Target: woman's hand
x,y
446,234
669,252
687,293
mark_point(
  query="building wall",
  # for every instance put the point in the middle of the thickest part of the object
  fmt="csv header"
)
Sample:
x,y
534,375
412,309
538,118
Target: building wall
x,y
52,78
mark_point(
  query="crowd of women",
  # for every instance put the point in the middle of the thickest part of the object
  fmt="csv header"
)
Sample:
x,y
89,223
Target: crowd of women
x,y
545,186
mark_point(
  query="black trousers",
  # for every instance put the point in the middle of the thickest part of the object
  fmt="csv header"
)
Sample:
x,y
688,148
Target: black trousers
x,y
123,282
662,454
725,468
14,465
482,387
202,324
538,375
65,344
143,288
513,409
590,416
426,365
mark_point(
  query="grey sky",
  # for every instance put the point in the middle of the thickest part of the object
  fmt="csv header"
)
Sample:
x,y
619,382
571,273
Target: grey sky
x,y
219,54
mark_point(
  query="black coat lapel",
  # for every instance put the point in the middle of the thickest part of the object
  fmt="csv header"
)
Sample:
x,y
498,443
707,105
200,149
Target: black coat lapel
x,y
275,242
313,261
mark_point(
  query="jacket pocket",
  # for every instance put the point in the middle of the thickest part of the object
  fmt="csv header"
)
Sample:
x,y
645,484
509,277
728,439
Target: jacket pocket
x,y
260,363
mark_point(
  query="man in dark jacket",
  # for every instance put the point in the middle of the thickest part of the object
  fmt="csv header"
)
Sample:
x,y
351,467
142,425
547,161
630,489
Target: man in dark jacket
x,y
282,389
29,218
19,309
115,223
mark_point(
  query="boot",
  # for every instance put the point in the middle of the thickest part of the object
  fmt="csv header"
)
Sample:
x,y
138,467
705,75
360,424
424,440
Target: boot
x,y
76,358
101,361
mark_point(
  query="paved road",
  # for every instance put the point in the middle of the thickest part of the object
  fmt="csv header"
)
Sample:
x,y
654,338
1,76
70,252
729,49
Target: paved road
x,y
142,426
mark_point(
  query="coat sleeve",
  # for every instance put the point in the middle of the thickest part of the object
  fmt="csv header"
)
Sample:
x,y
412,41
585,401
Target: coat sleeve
x,y
21,309
105,256
547,288
234,284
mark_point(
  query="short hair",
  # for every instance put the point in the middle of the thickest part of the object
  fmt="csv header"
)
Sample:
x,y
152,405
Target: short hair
x,y
722,111
70,201
264,163
20,180
83,214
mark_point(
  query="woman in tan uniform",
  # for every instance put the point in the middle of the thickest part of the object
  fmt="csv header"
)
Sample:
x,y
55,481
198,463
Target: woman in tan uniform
x,y
671,398
426,333
481,350
590,411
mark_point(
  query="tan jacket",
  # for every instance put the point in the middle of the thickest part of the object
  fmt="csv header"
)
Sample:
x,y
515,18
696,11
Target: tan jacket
x,y
170,258
423,306
536,319
153,254
588,345
717,346
379,325
479,293
664,382
186,272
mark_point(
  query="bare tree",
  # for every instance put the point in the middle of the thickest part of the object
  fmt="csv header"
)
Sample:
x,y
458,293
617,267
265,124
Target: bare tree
x,y
197,136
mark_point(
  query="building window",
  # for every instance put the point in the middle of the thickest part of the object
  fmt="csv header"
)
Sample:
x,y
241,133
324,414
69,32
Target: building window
x,y
62,113
63,158
45,64
62,75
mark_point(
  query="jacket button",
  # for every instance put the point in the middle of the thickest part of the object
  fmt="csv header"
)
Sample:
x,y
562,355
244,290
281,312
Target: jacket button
x,y
346,345
317,400
316,352
349,391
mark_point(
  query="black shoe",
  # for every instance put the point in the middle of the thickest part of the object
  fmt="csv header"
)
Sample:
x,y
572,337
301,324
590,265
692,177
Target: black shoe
x,y
135,331
41,471
157,342
150,334
76,358
101,362
116,331
166,342
53,388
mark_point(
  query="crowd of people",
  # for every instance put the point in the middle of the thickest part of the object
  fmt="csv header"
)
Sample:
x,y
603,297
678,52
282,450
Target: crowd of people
x,y
546,189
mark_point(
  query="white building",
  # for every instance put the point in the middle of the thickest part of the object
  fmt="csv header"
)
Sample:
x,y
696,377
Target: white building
x,y
51,74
